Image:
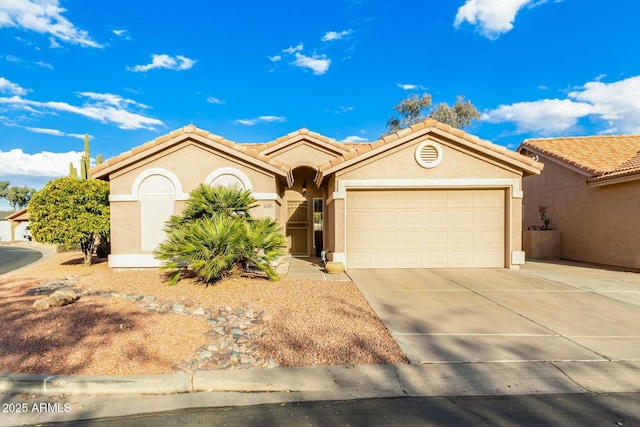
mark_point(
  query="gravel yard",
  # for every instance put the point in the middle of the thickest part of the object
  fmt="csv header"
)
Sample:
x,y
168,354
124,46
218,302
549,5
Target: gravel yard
x,y
305,322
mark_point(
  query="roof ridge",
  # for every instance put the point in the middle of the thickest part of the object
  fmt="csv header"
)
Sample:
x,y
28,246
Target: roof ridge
x,y
551,138
190,129
429,123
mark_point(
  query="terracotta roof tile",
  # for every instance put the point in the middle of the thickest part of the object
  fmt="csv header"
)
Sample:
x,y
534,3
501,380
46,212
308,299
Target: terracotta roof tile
x,y
422,125
630,167
594,154
189,129
363,148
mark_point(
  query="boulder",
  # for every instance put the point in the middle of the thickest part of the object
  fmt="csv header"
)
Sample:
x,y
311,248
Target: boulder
x,y
41,304
62,297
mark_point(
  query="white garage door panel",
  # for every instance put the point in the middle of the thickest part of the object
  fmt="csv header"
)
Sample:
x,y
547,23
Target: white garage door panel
x,y
425,228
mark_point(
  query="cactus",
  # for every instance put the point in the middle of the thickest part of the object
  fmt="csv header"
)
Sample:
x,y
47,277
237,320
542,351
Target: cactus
x,y
73,172
85,161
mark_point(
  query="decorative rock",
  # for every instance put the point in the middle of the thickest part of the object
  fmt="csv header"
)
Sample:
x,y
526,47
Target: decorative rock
x,y
230,337
41,304
62,297
204,354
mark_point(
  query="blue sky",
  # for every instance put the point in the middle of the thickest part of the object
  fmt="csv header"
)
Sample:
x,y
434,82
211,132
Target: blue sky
x,y
253,71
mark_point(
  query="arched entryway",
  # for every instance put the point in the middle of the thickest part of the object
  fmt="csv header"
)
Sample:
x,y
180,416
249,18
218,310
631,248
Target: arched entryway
x,y
302,209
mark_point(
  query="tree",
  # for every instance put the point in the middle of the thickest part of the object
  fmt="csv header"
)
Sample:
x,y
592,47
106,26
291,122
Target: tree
x,y
412,110
69,211
215,236
4,186
18,197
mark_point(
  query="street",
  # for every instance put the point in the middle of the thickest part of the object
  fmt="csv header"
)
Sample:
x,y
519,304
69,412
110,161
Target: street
x,y
531,410
13,257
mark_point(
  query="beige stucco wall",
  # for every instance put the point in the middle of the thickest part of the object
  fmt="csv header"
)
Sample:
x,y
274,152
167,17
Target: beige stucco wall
x,y
125,227
400,163
597,224
191,162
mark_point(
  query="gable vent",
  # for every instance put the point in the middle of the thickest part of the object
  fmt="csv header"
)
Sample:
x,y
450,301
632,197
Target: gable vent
x,y
428,154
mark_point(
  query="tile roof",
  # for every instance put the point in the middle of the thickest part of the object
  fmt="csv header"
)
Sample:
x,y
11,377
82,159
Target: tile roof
x,y
252,150
630,167
429,125
304,132
596,155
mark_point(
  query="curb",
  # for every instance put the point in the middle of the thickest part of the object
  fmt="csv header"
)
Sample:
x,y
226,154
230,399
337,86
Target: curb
x,y
356,382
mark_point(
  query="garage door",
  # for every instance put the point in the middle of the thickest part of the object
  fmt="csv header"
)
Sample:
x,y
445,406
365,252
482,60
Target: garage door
x,y
425,228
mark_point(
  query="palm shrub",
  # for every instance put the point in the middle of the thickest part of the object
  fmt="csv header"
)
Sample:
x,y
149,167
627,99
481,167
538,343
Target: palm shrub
x,y
215,235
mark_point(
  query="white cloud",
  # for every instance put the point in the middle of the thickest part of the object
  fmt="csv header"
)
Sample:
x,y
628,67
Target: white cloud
x,y
545,116
106,108
344,109
405,86
319,64
492,17
21,61
212,100
12,88
292,49
354,138
44,17
617,104
333,35
177,63
260,119
17,162
54,132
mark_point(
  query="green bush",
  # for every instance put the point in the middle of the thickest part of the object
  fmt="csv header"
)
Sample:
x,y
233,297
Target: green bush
x,y
216,236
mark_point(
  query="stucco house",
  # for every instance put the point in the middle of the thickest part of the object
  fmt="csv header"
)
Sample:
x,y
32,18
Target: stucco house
x,y
591,189
426,196
13,225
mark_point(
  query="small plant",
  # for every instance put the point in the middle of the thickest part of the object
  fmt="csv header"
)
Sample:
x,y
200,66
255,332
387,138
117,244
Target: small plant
x,y
215,236
542,210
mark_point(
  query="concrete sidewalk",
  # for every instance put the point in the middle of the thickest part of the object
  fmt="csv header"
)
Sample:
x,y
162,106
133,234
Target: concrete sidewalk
x,y
309,268
83,397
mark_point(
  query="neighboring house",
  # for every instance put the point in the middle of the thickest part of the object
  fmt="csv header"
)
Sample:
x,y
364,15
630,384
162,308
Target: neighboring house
x,y
14,225
426,196
5,227
591,189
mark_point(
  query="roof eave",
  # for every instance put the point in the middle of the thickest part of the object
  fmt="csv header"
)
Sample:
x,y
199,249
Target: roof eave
x,y
104,172
529,167
601,181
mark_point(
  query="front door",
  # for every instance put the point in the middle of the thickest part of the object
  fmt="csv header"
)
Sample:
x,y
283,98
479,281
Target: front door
x,y
297,228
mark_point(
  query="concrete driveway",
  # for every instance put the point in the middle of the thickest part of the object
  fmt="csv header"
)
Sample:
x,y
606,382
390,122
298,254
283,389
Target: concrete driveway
x,y
544,312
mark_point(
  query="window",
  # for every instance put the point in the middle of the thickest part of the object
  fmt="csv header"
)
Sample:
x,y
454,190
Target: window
x,y
317,221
